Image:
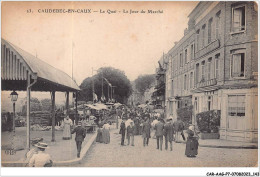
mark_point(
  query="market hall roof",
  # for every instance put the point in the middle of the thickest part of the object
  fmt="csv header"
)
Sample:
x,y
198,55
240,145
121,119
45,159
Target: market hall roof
x,y
18,64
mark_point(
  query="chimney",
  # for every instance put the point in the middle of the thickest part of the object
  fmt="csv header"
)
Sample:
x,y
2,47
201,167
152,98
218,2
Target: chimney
x,y
185,31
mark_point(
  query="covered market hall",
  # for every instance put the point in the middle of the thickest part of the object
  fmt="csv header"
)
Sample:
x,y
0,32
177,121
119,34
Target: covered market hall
x,y
21,71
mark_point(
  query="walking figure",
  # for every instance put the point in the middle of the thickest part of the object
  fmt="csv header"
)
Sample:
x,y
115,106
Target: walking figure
x,y
168,129
159,133
178,128
192,143
105,133
122,132
146,133
79,138
67,124
130,133
99,134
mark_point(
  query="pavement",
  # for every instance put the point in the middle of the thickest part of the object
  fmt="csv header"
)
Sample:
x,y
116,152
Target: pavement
x,y
219,143
57,150
115,155
58,153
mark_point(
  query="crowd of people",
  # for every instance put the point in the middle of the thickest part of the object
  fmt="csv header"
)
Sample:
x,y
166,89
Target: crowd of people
x,y
141,122
135,122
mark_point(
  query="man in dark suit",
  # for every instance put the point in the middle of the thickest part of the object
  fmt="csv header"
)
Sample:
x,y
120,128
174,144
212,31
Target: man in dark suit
x,y
146,134
159,133
122,132
168,129
79,138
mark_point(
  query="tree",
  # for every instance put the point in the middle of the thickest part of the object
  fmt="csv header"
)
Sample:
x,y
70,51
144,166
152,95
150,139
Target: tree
x,y
122,88
46,104
35,106
144,82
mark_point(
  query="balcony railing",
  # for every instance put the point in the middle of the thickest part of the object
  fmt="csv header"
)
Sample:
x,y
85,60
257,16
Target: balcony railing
x,y
207,83
210,47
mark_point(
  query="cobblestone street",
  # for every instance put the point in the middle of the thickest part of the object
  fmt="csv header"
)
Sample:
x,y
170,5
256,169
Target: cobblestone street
x,y
114,155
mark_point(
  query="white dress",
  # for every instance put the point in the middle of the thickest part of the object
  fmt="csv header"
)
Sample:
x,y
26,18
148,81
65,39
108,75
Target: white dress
x,y
66,131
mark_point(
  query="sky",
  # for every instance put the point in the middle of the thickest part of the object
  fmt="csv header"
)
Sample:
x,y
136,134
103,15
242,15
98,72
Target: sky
x,y
130,42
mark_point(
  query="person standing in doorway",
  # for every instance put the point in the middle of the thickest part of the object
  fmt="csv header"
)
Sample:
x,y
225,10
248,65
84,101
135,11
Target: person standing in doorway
x,y
159,133
79,138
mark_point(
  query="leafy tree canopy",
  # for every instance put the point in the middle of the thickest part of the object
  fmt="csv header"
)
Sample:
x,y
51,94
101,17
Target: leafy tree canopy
x,y
122,88
144,82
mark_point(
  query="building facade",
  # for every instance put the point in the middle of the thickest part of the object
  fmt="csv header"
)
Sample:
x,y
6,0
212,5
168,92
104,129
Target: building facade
x,y
214,67
158,95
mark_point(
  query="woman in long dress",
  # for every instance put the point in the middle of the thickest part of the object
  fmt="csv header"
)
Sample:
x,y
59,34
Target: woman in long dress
x,y
99,134
192,143
67,123
106,134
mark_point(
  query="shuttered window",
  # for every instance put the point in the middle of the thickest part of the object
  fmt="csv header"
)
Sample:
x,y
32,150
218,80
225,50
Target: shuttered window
x,y
236,105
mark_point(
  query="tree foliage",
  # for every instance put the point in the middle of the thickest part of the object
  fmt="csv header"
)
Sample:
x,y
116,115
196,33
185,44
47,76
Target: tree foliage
x,y
46,104
35,105
144,82
116,77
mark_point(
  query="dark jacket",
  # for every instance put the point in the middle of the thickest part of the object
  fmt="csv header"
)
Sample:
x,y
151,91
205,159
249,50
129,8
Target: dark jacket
x,y
146,130
80,133
168,129
122,128
130,130
159,129
178,125
191,144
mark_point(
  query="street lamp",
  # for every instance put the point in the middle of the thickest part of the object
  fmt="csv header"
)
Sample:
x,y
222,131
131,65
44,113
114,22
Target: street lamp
x,y
14,97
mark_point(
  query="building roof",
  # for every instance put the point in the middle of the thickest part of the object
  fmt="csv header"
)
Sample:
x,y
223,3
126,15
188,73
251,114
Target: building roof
x,y
45,73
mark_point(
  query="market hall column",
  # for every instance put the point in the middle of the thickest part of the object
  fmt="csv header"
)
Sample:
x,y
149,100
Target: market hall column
x,y
67,102
53,115
76,108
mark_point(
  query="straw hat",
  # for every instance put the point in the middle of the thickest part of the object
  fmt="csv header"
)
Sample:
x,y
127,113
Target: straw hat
x,y
41,145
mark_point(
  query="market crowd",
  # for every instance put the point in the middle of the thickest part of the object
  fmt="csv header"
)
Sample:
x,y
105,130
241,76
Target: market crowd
x,y
139,121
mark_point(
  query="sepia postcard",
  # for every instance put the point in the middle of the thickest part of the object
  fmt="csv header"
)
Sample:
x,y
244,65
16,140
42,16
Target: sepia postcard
x,y
130,84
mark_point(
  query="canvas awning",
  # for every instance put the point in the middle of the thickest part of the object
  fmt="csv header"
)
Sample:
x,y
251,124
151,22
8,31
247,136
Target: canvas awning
x,y
101,106
92,107
117,104
18,64
142,106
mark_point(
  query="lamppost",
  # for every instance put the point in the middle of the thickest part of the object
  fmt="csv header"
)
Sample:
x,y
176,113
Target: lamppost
x,y
14,97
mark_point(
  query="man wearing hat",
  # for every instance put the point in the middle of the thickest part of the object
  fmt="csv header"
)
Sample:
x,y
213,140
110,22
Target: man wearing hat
x,y
79,138
159,133
146,133
130,133
122,132
168,128
41,159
